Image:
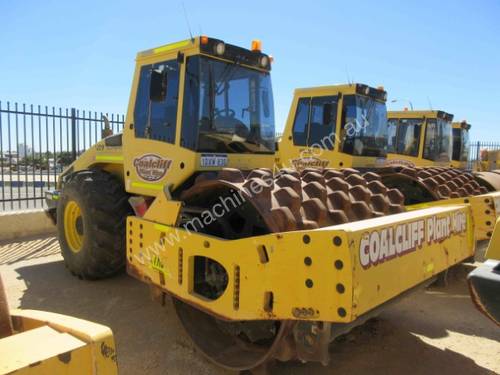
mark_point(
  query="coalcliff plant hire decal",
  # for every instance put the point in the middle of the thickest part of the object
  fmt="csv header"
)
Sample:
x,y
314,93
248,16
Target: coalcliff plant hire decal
x,y
151,167
309,162
385,244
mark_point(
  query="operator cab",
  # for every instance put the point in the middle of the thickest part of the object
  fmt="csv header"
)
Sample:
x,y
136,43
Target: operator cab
x,y
227,100
197,105
420,137
335,126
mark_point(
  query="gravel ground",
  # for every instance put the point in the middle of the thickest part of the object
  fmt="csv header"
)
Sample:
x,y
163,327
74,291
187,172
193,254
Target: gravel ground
x,y
437,331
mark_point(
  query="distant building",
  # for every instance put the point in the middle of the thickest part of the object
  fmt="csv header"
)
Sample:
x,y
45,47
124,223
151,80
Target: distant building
x,y
24,150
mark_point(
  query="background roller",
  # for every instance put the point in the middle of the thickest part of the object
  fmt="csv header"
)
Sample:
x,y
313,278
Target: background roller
x,y
424,184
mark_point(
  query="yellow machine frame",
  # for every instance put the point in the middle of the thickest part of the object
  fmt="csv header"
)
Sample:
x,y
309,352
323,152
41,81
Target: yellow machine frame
x,y
49,343
493,251
318,275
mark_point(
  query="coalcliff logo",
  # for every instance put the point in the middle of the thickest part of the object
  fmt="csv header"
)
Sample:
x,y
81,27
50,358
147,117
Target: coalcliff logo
x,y
382,245
151,167
309,162
398,162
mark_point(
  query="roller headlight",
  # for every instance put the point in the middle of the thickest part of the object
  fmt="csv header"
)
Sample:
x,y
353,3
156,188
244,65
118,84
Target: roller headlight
x,y
220,48
264,61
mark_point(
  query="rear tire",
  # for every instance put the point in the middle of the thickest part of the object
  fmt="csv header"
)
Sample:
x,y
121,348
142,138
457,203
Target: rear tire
x,y
91,221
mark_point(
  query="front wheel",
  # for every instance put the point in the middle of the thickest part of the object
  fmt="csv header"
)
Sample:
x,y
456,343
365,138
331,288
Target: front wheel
x,y
91,216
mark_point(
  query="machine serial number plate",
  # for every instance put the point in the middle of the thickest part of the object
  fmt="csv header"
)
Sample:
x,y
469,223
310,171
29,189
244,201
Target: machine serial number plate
x,y
213,160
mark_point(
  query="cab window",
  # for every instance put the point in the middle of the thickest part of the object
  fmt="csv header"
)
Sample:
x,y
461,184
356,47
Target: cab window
x,y
392,129
464,155
300,124
322,122
364,126
431,136
315,120
460,145
437,143
408,137
157,120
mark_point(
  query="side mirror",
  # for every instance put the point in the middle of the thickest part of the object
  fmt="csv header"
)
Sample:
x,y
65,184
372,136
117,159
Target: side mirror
x,y
265,103
158,85
327,113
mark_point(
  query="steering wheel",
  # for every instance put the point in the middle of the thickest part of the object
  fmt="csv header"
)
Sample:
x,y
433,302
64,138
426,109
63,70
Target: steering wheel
x,y
222,112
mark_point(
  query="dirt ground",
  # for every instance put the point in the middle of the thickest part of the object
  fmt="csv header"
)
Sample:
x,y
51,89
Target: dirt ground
x,y
437,331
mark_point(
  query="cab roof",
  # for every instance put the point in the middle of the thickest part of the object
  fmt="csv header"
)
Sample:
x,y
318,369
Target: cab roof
x,y
210,46
461,125
420,114
349,88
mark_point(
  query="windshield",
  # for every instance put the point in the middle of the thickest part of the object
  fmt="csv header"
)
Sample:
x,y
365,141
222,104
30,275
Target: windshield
x,y
437,145
364,126
461,144
404,136
227,108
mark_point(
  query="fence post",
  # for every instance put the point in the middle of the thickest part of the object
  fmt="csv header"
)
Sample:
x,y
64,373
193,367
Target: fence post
x,y
73,133
478,156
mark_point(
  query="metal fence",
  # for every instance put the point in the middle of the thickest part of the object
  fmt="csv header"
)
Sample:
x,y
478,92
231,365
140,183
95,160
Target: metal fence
x,y
37,142
475,151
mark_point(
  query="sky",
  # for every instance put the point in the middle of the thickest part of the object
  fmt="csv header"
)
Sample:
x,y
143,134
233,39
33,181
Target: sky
x,y
444,54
